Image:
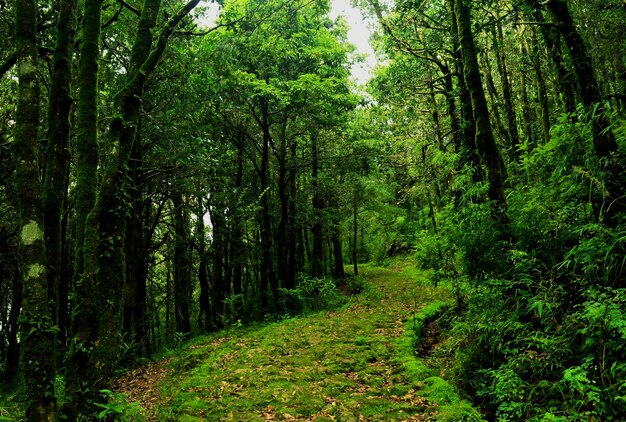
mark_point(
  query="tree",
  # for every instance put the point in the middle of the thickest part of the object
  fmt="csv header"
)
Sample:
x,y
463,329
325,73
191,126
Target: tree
x,y
37,325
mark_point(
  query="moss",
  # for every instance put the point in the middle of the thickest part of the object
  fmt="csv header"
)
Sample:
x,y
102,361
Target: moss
x,y
35,270
31,233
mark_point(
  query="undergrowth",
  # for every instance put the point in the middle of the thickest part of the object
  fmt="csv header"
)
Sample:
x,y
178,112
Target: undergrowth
x,y
540,328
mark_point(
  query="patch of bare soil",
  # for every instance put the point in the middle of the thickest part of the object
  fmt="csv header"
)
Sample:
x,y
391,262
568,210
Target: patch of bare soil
x,y
141,385
430,340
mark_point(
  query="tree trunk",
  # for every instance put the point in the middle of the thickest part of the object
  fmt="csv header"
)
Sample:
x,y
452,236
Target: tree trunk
x,y
267,264
13,348
57,158
507,91
79,366
317,263
338,271
542,90
182,266
218,253
36,323
494,99
527,111
485,142
566,82
467,144
354,238
292,230
604,140
204,316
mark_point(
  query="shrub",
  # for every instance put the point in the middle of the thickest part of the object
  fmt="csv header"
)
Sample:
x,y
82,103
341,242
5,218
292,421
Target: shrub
x,y
311,294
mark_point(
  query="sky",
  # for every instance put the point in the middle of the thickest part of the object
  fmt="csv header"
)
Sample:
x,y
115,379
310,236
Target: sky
x,y
358,34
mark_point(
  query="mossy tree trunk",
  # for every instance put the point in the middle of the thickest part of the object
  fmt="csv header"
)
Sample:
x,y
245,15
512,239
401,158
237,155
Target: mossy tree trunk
x,y
79,367
507,90
57,161
37,325
566,82
466,144
101,218
542,90
485,142
604,140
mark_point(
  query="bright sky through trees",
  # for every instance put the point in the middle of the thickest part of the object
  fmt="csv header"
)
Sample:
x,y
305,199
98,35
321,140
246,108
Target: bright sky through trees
x,y
358,35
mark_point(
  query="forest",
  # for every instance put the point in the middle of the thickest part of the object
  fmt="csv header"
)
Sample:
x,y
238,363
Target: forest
x,y
186,180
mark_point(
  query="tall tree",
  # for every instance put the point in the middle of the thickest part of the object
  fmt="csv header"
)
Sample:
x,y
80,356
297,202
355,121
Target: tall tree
x,y
37,325
485,141
604,140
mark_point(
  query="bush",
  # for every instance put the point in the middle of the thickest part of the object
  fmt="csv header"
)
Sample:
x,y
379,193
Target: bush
x,y
311,294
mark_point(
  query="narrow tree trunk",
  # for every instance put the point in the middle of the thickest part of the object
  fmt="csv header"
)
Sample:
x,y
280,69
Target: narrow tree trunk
x,y
237,232
317,265
542,90
79,366
57,155
467,145
204,315
338,271
267,264
182,266
292,230
494,99
507,91
218,249
527,111
620,78
37,348
566,82
13,348
355,264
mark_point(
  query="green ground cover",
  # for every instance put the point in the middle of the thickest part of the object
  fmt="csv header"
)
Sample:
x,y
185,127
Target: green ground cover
x,y
353,363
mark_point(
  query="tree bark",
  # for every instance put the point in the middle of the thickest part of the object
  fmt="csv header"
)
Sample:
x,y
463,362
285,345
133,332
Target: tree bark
x,y
13,347
542,90
267,265
317,265
507,91
355,255
57,159
485,142
467,144
37,348
182,266
204,316
527,111
604,140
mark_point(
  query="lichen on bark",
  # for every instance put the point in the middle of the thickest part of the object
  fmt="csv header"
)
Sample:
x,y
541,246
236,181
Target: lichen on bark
x,y
31,233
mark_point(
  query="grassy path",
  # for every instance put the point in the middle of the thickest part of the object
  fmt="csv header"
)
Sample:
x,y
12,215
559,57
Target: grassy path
x,y
341,365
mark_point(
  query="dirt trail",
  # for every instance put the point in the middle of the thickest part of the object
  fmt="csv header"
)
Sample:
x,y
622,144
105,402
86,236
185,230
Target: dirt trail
x,y
339,365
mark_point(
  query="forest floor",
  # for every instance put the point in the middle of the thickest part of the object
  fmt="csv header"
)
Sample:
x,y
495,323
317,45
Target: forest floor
x,y
356,363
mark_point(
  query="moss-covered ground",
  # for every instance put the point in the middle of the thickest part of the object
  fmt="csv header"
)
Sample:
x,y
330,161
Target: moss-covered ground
x,y
349,364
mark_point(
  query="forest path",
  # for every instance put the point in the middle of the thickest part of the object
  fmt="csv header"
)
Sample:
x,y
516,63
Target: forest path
x,y
345,364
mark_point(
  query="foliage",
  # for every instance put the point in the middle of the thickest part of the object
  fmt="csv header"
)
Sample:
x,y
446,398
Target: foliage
x,y
118,409
544,326
311,294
